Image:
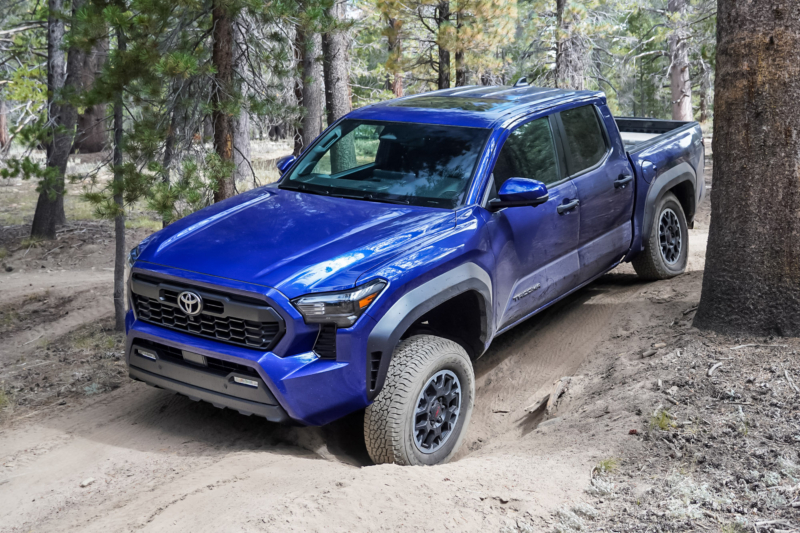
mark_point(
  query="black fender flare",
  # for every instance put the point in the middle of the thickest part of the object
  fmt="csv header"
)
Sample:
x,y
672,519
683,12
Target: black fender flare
x,y
663,183
414,304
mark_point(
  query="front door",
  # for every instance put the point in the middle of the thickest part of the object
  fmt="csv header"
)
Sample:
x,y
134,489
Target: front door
x,y
535,247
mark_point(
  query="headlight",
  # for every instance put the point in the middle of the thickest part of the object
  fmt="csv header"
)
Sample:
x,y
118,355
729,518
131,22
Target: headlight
x,y
340,308
137,250
133,255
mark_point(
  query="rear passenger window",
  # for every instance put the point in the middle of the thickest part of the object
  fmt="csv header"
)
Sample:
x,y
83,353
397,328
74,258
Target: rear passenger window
x,y
528,152
584,137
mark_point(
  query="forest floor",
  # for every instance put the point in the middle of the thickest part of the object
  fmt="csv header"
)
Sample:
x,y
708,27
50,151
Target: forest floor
x,y
662,427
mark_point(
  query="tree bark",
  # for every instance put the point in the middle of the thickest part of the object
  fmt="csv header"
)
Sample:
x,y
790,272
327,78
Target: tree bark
x,y
461,66
119,219
222,94
91,135
309,91
337,85
751,284
442,16
241,124
704,87
3,124
395,45
570,63
169,153
241,144
208,128
461,70
679,80
61,118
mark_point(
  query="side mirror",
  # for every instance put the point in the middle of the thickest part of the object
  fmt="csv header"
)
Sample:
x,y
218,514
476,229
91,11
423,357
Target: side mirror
x,y
518,192
284,163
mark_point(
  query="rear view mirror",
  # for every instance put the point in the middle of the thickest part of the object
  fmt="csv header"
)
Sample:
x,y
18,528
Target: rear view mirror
x,y
284,163
518,192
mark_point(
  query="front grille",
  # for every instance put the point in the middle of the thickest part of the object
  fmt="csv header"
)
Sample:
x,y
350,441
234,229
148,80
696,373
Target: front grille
x,y
227,318
325,347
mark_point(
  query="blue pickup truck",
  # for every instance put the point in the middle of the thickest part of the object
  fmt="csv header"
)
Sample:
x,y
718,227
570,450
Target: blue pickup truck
x,y
396,247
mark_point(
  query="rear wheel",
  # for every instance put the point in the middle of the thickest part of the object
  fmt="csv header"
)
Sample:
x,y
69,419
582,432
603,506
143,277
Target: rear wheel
x,y
421,415
666,251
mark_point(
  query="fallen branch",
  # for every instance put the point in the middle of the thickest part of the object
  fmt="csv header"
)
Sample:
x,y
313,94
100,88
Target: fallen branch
x,y
713,369
53,250
758,346
559,388
36,339
790,380
538,405
690,310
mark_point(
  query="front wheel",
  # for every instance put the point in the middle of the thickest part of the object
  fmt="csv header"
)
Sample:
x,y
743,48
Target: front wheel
x,y
666,250
421,415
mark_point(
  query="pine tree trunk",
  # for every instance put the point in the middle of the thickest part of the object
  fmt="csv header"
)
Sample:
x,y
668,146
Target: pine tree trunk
x,y
442,16
395,54
208,128
679,80
461,66
169,152
222,94
241,125
461,70
91,135
751,284
310,89
62,116
3,124
241,144
337,85
570,63
119,219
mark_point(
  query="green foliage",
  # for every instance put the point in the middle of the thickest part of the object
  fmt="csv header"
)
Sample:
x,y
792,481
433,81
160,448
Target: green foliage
x,y
608,466
165,74
662,420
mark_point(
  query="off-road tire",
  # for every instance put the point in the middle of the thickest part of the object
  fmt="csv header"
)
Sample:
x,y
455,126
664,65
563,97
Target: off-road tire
x,y
388,422
650,264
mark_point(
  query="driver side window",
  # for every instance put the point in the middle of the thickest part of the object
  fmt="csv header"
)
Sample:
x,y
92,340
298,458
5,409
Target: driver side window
x,y
529,152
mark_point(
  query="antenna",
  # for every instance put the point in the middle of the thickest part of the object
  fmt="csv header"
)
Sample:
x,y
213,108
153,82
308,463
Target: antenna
x,y
522,82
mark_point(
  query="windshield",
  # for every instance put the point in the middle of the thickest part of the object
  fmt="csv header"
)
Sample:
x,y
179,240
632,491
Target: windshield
x,y
395,162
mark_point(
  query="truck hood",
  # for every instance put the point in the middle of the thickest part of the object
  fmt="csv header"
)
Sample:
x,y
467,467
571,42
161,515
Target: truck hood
x,y
294,242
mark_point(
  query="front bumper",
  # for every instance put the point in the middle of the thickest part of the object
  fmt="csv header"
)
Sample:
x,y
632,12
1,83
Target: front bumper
x,y
249,396
304,388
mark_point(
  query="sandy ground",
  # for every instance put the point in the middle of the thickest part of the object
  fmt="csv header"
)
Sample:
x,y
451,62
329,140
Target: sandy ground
x,y
135,458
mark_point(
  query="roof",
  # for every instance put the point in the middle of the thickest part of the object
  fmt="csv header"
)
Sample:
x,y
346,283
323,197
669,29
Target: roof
x,y
476,106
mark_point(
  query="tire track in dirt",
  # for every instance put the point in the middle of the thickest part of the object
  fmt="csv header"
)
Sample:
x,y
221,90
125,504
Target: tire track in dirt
x,y
19,285
522,364
80,299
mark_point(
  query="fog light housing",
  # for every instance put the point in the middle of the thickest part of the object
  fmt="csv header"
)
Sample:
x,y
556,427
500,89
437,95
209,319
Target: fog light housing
x,y
245,381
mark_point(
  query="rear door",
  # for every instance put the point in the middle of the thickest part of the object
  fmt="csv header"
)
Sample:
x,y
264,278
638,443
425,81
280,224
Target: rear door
x,y
604,180
536,247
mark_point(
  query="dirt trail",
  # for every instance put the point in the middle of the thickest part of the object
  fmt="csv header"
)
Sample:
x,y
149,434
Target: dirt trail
x,y
159,462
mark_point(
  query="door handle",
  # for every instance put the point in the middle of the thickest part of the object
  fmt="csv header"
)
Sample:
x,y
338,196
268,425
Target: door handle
x,y
563,208
622,181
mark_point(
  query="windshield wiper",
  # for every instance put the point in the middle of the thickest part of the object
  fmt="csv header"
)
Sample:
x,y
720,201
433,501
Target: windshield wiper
x,y
370,198
367,197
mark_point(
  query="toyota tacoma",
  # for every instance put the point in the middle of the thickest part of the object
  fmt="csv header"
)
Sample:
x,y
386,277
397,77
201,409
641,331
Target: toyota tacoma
x,y
396,247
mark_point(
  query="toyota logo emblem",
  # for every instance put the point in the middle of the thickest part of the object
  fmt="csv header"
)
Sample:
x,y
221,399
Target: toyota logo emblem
x,y
190,303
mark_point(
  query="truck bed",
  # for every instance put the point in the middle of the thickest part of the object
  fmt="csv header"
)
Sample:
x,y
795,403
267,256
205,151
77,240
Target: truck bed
x,y
639,133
